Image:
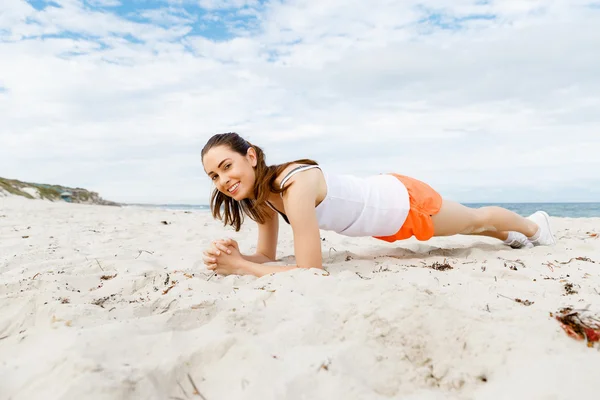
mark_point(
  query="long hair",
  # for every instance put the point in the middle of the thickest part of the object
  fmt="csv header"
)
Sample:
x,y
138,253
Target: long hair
x,y
231,211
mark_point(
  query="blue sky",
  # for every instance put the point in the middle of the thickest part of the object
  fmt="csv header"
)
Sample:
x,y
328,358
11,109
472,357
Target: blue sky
x,y
216,20
484,100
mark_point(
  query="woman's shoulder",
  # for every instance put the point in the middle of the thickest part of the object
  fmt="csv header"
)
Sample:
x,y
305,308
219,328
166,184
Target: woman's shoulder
x,y
291,173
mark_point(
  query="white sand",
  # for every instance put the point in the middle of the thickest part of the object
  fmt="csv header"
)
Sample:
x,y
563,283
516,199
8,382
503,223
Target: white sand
x,y
399,330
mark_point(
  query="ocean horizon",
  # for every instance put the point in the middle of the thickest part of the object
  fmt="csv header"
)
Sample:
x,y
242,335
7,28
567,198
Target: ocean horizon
x,y
565,210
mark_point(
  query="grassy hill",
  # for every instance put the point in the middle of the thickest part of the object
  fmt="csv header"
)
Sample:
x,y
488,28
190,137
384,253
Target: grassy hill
x,y
51,192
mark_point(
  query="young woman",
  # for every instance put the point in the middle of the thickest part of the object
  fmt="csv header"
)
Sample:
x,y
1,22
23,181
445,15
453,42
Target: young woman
x,y
388,207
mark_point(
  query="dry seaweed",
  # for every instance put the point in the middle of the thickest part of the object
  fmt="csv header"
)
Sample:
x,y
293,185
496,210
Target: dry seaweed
x,y
173,283
382,269
517,261
579,324
439,266
569,290
100,302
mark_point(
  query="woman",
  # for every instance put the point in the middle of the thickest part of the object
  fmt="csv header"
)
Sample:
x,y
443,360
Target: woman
x,y
388,207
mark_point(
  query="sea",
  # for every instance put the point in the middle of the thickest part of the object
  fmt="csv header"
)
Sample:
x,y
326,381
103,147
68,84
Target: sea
x,y
568,210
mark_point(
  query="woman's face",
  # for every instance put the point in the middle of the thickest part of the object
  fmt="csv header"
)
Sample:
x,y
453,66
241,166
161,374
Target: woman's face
x,y
232,173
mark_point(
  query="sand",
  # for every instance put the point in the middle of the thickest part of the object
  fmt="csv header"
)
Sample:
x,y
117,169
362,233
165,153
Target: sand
x,y
102,302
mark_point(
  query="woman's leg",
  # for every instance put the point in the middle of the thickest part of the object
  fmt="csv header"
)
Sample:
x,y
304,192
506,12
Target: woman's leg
x,y
501,235
455,218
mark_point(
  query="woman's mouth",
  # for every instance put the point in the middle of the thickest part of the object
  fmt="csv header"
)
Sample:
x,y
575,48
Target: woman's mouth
x,y
233,189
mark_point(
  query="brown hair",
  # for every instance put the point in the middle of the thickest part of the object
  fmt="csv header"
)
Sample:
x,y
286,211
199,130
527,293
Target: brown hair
x,y
257,208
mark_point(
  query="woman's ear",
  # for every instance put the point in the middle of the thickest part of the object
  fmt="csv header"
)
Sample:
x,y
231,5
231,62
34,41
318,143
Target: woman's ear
x,y
252,157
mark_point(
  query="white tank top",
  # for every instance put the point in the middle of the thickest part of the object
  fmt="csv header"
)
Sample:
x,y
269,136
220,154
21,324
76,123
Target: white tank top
x,y
373,206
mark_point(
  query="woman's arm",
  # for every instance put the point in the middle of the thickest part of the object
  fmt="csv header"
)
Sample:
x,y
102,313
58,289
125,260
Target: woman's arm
x,y
299,202
250,268
268,233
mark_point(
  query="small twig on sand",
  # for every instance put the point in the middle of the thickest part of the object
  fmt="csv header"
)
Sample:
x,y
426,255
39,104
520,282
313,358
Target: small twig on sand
x,y
524,302
210,277
549,265
331,248
182,389
196,391
141,251
362,277
99,264
576,258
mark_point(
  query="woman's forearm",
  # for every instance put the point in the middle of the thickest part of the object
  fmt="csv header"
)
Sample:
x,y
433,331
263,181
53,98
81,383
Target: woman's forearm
x,y
257,258
252,268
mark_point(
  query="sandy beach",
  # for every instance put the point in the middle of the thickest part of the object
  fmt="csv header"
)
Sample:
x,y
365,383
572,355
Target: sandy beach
x,y
101,302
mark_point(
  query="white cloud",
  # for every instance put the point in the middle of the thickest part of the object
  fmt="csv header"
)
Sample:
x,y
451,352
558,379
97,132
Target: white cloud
x,y
226,4
104,3
124,107
168,16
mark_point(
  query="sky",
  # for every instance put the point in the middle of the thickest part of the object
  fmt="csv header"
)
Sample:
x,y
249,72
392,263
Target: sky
x,y
487,101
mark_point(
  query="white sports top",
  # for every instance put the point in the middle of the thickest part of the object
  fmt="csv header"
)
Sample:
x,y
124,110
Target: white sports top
x,y
373,206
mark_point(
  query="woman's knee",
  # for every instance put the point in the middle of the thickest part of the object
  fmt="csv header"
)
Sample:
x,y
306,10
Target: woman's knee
x,y
483,219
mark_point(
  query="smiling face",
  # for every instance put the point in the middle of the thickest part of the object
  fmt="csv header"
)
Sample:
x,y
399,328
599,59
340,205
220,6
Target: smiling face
x,y
232,173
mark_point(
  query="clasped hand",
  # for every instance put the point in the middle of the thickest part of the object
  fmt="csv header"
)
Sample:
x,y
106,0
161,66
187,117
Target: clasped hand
x,y
224,257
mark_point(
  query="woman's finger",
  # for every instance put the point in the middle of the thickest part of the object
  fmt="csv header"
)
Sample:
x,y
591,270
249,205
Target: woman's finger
x,y
209,260
210,252
223,247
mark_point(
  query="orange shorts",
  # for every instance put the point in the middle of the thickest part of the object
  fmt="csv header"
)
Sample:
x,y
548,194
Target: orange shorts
x,y
424,202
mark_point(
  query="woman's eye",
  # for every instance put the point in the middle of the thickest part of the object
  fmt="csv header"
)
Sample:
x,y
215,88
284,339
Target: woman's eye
x,y
227,166
214,177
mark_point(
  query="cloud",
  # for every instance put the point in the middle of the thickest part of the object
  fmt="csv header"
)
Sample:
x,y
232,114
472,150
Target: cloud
x,y
104,3
483,100
226,4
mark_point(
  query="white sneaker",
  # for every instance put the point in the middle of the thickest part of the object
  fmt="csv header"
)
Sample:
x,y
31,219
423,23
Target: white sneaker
x,y
517,240
545,238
